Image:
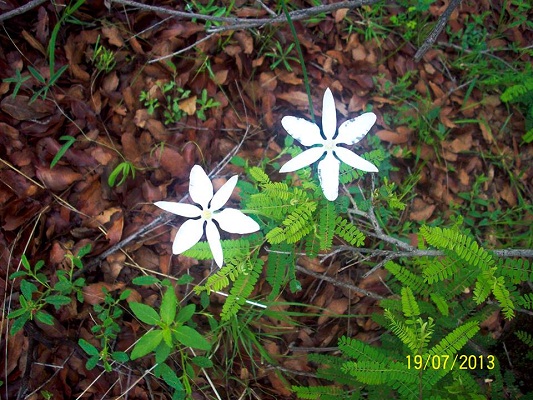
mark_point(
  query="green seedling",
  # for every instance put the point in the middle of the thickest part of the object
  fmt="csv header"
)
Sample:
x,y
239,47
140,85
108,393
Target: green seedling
x,y
124,169
103,58
280,56
205,104
69,141
18,80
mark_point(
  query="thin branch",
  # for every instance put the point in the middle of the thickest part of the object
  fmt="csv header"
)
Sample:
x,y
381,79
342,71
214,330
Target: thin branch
x,y
441,23
234,23
335,282
21,9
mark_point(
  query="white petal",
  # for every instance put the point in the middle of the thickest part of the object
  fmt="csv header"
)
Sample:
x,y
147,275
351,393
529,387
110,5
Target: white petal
x,y
185,210
303,159
353,160
302,130
328,173
213,238
200,187
223,194
234,221
329,115
188,235
353,130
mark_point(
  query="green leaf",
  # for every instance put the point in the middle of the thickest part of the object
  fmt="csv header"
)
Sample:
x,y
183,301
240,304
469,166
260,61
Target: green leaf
x,y
45,318
17,313
19,323
57,300
57,74
124,295
168,306
88,348
185,280
145,280
18,274
170,377
147,343
185,313
69,141
191,338
202,362
162,352
36,74
92,362
84,250
27,289
120,356
145,313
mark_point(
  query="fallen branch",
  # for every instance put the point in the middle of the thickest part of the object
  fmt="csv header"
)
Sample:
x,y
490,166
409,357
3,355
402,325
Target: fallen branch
x,y
21,9
234,23
437,30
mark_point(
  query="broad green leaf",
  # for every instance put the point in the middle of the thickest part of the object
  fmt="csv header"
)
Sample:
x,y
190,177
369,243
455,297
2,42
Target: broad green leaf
x,y
162,352
145,313
147,343
191,338
17,313
88,348
170,377
27,289
168,306
45,318
185,279
57,300
85,249
202,362
120,356
167,336
19,323
124,295
18,274
185,313
146,280
92,362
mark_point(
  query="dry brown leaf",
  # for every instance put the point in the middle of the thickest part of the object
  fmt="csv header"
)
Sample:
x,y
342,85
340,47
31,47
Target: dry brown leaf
x,y
172,162
112,33
421,210
459,144
188,105
290,77
110,82
335,308
246,41
21,109
296,98
92,293
33,42
58,178
508,195
220,77
392,137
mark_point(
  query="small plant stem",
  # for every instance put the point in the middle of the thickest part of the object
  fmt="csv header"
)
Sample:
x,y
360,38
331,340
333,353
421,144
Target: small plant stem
x,y
301,57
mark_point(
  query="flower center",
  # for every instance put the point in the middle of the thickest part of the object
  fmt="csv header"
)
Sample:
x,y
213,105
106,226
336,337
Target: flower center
x,y
206,214
329,144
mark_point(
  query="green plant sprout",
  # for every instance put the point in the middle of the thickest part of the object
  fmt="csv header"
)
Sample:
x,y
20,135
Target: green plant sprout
x,y
37,293
106,330
18,80
47,84
171,332
280,56
103,58
205,104
124,170
69,141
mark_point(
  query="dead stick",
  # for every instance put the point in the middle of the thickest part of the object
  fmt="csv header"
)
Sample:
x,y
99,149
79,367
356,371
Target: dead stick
x,y
437,30
21,9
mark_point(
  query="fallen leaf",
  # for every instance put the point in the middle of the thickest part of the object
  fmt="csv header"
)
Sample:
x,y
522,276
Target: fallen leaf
x,y
112,33
296,98
92,293
392,137
421,211
58,178
188,105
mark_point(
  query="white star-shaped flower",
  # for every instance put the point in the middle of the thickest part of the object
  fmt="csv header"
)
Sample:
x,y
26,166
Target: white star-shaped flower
x,y
229,219
308,134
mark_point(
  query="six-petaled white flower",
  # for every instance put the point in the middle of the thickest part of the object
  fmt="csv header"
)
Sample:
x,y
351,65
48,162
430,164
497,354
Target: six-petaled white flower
x,y
229,219
308,134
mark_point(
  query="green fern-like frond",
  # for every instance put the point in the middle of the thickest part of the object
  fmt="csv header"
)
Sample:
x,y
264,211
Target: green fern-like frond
x,y
349,232
415,282
231,248
316,392
504,297
312,245
525,337
403,332
440,269
455,340
348,174
326,224
517,92
518,270
409,305
441,303
465,247
242,288
233,268
259,176
279,258
358,350
378,373
483,286
526,301
296,225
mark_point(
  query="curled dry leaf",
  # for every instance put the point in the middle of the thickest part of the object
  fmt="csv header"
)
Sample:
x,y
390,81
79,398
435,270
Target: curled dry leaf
x,y
58,178
92,294
392,137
